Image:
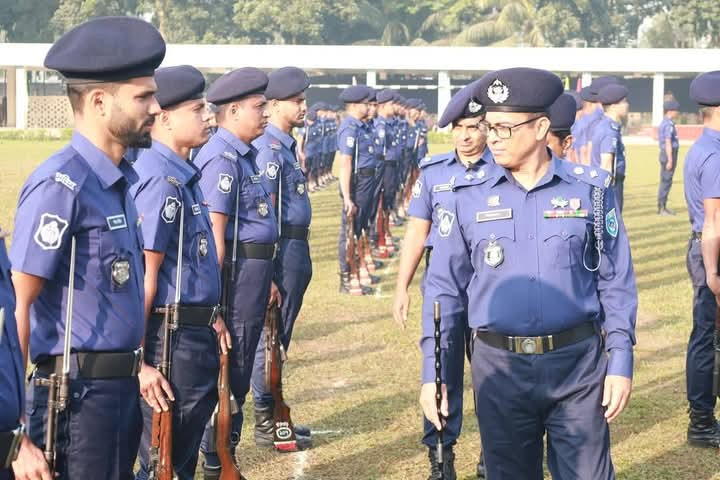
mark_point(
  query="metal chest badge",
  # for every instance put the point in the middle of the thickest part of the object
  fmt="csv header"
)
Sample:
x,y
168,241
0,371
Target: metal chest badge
x,y
203,246
262,208
300,188
494,254
120,271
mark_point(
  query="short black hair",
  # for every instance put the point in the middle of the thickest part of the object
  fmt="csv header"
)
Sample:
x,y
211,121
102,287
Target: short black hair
x,y
76,92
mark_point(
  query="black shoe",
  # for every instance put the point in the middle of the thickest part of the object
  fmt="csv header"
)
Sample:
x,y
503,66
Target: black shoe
x,y
448,466
344,287
703,430
481,466
378,264
264,429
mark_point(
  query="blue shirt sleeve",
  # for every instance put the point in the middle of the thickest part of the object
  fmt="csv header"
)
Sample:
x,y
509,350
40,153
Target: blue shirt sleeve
x,y
158,204
269,165
608,143
346,140
219,182
710,177
421,202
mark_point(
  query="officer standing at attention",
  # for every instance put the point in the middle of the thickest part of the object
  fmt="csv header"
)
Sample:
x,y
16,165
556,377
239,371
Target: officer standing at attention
x,y
608,150
80,195
385,148
702,195
540,365
12,373
562,117
668,141
285,182
593,114
309,145
243,224
168,197
430,218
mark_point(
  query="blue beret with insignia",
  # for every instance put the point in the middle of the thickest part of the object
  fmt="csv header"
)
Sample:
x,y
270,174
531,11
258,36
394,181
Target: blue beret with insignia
x,y
705,89
107,49
577,97
385,95
671,105
590,92
520,89
612,93
286,82
461,105
237,84
562,113
355,94
178,84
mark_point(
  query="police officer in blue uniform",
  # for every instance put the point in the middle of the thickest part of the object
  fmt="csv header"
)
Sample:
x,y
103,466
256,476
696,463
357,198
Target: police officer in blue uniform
x,y
551,265
285,182
431,201
702,195
593,114
310,147
668,142
608,150
385,149
562,117
244,226
168,197
12,374
81,194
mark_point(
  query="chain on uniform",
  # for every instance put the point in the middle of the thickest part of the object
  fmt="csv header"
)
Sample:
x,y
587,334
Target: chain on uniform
x,y
598,203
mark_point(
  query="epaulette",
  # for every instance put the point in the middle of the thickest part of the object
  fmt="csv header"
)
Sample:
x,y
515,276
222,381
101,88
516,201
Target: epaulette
x,y
232,156
67,172
275,146
434,160
173,181
594,176
482,175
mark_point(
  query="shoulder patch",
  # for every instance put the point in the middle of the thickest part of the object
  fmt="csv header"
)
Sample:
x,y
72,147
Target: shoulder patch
x,y
225,183
611,223
50,231
445,222
172,205
271,170
65,180
350,142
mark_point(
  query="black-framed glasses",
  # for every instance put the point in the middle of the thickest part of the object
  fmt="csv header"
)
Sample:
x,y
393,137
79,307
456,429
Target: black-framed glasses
x,y
504,132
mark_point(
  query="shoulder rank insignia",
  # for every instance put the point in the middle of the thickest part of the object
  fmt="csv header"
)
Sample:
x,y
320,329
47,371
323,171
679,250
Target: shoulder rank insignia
x,y
271,170
275,146
173,181
64,179
229,156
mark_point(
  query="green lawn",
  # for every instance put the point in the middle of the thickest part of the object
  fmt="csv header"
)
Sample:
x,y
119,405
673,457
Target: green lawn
x,y
354,376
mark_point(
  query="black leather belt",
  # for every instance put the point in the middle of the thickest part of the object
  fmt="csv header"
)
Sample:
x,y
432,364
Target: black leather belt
x,y
696,236
259,251
391,162
193,315
537,345
366,172
97,364
294,233
10,445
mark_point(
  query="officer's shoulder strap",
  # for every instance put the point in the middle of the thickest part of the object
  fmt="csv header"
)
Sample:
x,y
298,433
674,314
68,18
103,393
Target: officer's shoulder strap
x,y
595,176
68,170
435,159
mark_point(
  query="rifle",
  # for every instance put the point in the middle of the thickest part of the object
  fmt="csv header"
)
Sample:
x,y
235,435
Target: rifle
x,y
380,228
58,388
438,388
161,436
283,428
716,366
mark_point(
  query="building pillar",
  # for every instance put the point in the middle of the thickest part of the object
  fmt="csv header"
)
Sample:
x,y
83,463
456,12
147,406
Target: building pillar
x,y
658,94
10,95
21,98
371,78
586,79
444,92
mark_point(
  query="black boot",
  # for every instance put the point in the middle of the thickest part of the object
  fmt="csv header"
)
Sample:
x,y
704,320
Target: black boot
x,y
448,470
344,283
481,466
264,430
703,430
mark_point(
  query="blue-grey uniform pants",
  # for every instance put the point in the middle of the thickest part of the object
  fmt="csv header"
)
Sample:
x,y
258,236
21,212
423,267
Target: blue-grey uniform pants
x,y
619,191
391,182
193,376
519,398
99,432
666,177
364,189
293,271
700,352
248,297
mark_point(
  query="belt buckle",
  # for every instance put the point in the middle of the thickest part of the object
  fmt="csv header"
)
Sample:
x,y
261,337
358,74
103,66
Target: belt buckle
x,y
137,361
14,446
275,250
528,345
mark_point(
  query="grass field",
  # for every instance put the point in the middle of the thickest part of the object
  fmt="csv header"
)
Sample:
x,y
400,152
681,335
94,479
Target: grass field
x,y
354,376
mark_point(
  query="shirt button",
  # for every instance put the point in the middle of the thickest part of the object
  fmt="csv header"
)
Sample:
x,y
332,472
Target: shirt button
x,y
531,236
76,395
532,278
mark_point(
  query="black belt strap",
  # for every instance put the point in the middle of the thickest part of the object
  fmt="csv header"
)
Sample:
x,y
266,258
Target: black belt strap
x,y
192,315
259,251
294,233
9,446
696,236
97,364
366,172
537,345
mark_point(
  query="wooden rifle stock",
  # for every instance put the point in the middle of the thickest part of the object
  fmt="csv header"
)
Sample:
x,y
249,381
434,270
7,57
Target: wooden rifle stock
x,y
716,366
161,435
351,246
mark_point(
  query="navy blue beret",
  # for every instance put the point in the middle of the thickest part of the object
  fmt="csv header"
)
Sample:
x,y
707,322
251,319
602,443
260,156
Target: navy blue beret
x,y
286,82
562,113
236,85
412,103
590,92
671,105
577,97
355,94
612,93
705,89
178,84
372,95
462,105
521,89
107,49
385,95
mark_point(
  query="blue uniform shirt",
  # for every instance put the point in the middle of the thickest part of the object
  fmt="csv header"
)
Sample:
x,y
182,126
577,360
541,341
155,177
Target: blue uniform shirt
x,y
313,139
79,191
379,130
525,247
422,151
353,138
607,138
702,175
12,374
227,163
166,181
666,130
278,164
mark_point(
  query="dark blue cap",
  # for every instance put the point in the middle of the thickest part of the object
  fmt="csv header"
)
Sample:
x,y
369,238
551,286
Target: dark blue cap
x,y
286,82
355,94
107,49
591,92
562,113
462,105
521,89
671,105
705,89
577,97
412,103
311,115
178,84
385,95
237,84
372,95
612,93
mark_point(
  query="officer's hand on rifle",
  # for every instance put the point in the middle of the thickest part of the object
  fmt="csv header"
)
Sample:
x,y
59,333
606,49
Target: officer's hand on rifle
x,y
223,335
275,296
427,402
30,463
349,207
155,388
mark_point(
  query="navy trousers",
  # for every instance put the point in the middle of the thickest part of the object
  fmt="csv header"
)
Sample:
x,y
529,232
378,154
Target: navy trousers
x,y
193,376
520,398
666,178
619,189
293,271
99,432
700,352
390,185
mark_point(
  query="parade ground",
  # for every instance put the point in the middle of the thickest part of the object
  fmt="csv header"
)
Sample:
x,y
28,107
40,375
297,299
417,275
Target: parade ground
x,y
353,374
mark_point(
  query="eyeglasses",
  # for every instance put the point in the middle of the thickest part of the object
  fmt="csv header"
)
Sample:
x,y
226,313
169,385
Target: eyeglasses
x,y
504,132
